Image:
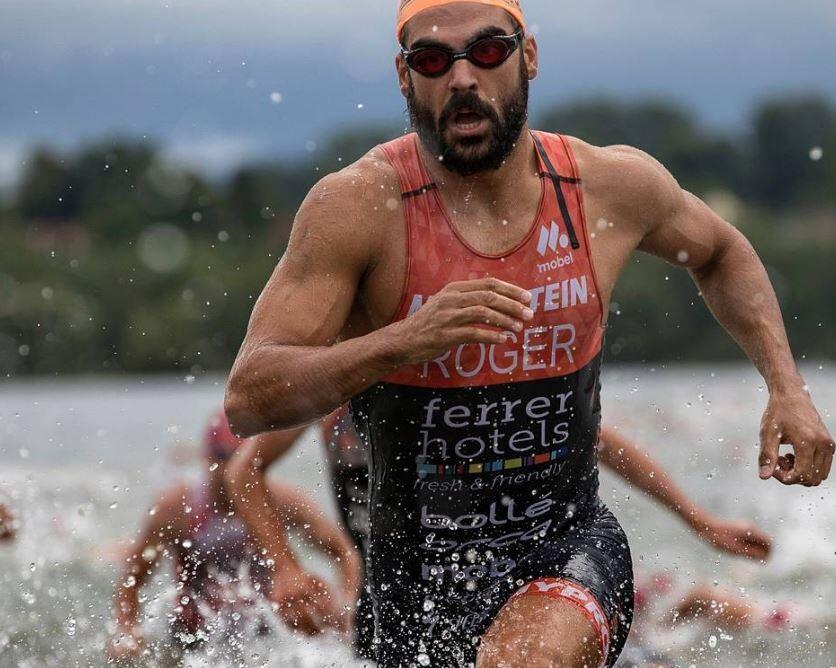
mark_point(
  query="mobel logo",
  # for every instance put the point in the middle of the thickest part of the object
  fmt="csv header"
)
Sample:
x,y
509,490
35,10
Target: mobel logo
x,y
551,239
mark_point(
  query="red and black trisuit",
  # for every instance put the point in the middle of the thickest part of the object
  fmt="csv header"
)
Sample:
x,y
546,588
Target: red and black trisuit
x,y
482,462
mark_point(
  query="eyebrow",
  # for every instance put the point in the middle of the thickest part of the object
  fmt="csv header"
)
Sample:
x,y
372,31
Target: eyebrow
x,y
490,31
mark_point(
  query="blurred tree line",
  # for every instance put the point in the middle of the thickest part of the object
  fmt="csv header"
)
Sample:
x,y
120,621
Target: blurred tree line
x,y
113,258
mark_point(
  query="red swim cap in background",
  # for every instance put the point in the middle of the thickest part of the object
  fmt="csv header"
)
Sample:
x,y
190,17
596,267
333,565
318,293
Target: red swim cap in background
x,y
219,441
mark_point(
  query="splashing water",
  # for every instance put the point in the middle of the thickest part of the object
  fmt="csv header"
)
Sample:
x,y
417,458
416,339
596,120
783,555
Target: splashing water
x,y
95,444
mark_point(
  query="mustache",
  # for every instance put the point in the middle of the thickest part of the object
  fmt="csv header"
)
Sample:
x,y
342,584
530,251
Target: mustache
x,y
466,100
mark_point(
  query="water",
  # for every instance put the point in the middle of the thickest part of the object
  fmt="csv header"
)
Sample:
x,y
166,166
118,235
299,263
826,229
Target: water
x,y
82,459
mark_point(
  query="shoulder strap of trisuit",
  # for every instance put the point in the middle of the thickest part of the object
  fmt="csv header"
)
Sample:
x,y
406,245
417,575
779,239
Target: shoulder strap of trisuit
x,y
557,180
402,153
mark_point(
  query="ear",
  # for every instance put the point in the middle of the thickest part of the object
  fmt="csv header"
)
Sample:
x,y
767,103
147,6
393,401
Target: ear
x,y
403,74
530,55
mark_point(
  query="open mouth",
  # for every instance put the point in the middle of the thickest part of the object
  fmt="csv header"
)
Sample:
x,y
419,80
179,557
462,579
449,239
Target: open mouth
x,y
467,121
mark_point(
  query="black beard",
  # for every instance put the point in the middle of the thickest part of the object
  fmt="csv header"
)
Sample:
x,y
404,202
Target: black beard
x,y
502,136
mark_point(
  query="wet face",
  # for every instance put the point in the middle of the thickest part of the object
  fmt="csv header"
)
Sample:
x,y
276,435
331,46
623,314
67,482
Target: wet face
x,y
470,117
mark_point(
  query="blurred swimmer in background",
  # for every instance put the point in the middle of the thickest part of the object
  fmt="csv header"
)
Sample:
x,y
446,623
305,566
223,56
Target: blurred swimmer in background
x,y
218,568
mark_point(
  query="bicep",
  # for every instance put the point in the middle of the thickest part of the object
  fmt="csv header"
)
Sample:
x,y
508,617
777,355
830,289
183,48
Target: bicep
x,y
308,298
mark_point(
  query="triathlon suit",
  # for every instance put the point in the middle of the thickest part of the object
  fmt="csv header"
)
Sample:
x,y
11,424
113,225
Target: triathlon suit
x,y
348,464
210,561
483,461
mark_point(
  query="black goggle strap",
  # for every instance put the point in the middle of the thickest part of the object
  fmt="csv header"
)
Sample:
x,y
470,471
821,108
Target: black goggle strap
x,y
556,180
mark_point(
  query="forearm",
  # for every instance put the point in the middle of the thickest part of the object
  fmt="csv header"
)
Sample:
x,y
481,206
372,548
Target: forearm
x,y
738,291
641,470
126,600
347,558
281,386
257,509
351,571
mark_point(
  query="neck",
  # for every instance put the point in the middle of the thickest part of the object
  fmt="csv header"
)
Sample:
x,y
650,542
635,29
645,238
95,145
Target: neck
x,y
493,184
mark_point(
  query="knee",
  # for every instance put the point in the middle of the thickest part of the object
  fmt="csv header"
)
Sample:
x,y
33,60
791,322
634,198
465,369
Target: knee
x,y
516,651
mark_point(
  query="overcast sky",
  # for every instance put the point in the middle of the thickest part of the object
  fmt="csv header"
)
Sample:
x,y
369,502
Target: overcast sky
x,y
220,81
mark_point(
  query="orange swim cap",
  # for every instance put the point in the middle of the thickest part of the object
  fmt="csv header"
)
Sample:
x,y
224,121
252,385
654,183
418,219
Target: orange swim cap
x,y
409,8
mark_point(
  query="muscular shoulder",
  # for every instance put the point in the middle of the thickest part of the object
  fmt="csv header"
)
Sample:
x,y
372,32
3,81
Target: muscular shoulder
x,y
352,204
626,183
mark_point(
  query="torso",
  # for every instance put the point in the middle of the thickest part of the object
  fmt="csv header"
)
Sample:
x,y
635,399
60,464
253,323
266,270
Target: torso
x,y
487,450
613,232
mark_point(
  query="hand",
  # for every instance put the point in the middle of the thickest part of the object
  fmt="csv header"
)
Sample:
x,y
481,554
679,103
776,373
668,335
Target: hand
x,y
303,601
7,524
459,314
739,538
790,418
125,645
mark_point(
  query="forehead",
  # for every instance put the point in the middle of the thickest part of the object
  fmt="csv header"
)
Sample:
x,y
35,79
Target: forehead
x,y
456,23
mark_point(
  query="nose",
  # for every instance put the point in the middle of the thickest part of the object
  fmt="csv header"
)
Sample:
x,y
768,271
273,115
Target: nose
x,y
462,76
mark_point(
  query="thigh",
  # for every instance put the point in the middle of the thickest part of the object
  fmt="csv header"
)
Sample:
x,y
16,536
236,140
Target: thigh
x,y
585,578
541,632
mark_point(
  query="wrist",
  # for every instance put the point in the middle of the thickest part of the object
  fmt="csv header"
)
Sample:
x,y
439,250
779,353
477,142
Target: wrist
x,y
393,351
786,384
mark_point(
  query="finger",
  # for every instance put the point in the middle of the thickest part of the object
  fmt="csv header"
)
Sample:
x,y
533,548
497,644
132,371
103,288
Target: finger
x,y
770,443
494,285
497,302
482,315
804,449
828,460
785,471
819,457
479,335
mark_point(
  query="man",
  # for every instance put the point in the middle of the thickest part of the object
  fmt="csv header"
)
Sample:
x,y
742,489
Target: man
x,y
453,284
211,547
